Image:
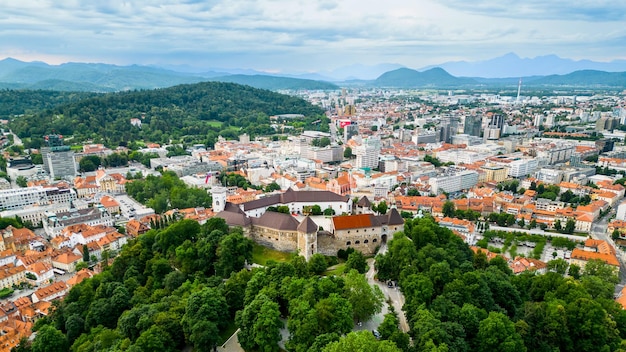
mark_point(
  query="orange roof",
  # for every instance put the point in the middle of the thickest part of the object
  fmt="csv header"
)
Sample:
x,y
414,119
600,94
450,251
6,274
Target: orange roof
x,y
67,258
51,290
109,202
580,254
353,221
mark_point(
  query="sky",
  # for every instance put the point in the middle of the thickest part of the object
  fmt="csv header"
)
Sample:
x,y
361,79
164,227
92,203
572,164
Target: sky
x,y
307,36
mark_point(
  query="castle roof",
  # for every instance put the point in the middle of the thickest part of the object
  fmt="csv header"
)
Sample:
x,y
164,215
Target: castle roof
x,y
355,221
364,202
278,221
307,226
291,196
234,218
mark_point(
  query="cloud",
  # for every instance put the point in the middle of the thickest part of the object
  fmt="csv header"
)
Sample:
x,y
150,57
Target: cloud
x,y
307,35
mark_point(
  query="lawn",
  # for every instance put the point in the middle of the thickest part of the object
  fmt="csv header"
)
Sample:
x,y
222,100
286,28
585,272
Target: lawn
x,y
261,255
336,270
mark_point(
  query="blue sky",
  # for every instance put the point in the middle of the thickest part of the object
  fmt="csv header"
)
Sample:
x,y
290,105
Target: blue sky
x,y
306,36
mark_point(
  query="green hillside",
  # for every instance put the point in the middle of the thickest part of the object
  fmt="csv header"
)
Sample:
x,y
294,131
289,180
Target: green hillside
x,y
199,112
276,83
18,102
585,78
408,78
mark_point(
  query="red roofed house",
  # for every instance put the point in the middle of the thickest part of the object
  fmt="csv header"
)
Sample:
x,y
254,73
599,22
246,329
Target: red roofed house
x,y
66,261
51,292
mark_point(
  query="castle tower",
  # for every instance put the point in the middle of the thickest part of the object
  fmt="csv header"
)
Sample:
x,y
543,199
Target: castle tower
x,y
219,198
307,238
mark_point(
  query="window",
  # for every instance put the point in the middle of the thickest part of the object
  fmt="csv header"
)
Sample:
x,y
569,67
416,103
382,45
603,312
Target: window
x,y
374,240
366,241
348,243
357,242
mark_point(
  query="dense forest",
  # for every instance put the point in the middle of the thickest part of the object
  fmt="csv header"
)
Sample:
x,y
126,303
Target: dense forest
x,y
199,112
186,285
28,102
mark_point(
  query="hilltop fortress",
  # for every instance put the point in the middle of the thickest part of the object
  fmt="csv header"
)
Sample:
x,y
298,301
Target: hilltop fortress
x,y
284,232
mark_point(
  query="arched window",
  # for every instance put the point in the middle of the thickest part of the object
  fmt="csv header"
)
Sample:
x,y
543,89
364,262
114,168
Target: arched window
x,y
366,241
348,243
357,242
374,240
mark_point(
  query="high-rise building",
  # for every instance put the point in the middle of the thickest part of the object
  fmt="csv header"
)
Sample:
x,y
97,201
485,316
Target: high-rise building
x,y
473,125
494,128
58,159
367,154
448,128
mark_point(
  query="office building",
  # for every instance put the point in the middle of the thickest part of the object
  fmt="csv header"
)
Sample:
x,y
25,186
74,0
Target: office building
x,y
58,159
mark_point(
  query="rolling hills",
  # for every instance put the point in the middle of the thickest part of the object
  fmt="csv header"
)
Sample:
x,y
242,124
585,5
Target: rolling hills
x,y
199,112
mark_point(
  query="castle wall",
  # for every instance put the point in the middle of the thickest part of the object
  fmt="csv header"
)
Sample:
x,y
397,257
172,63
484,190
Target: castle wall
x,y
285,241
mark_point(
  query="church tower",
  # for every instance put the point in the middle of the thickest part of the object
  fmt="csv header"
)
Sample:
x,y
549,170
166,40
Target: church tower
x,y
218,194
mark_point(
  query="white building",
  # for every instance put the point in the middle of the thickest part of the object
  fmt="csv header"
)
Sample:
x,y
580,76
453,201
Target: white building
x,y
522,167
453,182
22,197
367,154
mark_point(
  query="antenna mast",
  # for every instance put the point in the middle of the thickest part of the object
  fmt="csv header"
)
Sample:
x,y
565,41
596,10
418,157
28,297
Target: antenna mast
x,y
519,90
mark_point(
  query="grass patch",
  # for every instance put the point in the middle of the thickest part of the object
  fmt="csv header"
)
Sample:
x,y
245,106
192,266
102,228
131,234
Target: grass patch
x,y
214,123
338,269
227,333
261,255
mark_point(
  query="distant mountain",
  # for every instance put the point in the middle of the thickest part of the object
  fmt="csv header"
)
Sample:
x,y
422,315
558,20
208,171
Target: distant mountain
x,y
360,72
408,78
511,65
16,74
276,83
584,78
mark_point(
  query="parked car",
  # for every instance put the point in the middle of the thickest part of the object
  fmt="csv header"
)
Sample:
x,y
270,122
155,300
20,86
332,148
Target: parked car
x,y
376,334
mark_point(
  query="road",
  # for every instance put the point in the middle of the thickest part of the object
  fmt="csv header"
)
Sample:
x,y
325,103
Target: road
x,y
598,231
392,294
16,140
538,232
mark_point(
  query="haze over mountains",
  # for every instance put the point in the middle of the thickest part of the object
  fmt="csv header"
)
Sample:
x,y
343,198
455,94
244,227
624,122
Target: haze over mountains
x,y
505,70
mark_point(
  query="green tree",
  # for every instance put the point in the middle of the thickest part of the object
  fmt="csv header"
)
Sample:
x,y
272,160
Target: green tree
x,y
329,212
49,339
283,209
267,327
570,226
232,253
448,209
356,260
347,153
21,181
85,253
366,300
205,314
497,333
382,207
361,341
89,163
317,264
559,266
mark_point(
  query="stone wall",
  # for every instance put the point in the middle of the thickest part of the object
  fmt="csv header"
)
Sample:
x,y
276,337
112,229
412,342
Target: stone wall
x,y
285,241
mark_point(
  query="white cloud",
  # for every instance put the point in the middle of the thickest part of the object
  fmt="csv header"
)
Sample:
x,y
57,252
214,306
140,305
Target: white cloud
x,y
309,35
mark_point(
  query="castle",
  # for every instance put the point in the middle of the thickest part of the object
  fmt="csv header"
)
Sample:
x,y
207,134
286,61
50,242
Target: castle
x,y
284,232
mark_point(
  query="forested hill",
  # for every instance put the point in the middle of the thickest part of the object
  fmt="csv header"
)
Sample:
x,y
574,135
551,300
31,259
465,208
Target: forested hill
x,y
18,102
199,111
276,82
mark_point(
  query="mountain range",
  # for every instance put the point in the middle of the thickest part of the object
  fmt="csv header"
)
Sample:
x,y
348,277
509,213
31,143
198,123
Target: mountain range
x,y
504,71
